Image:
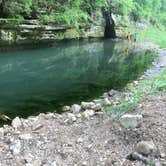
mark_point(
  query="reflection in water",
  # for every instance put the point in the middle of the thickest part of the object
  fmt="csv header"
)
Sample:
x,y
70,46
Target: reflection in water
x,y
44,79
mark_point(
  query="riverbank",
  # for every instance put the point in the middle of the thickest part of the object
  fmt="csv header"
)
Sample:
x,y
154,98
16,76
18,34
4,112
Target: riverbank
x,y
87,135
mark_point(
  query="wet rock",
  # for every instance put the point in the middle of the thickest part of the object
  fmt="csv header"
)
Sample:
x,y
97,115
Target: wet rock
x,y
112,93
75,108
107,102
146,148
16,123
88,113
66,108
131,121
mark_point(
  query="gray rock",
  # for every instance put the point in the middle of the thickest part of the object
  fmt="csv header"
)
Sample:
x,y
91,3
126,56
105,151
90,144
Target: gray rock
x,y
25,136
88,105
71,118
146,148
16,147
88,113
75,108
1,133
66,108
107,102
131,121
16,123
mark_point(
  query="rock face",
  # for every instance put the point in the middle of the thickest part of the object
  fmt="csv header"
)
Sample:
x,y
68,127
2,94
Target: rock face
x,y
31,31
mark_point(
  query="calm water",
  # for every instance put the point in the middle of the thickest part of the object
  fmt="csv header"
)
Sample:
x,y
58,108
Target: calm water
x,y
40,80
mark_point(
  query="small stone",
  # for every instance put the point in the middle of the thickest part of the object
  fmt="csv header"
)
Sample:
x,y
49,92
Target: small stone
x,y
16,147
71,118
37,127
88,113
66,108
88,105
54,163
16,123
1,133
25,136
75,108
146,148
79,140
131,121
84,163
107,102
162,155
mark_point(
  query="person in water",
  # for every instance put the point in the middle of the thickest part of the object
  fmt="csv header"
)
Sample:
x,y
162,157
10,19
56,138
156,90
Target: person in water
x,y
134,37
129,36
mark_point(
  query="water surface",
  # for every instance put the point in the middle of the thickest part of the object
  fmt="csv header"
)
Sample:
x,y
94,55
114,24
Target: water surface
x,y
45,79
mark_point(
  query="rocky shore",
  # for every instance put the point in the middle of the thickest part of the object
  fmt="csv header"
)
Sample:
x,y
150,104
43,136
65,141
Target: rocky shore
x,y
87,135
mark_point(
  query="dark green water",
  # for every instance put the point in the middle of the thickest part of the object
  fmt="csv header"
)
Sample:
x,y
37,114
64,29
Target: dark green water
x,y
42,80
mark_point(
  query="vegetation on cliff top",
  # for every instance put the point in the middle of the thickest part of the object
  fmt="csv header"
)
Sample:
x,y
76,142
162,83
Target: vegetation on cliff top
x,y
76,11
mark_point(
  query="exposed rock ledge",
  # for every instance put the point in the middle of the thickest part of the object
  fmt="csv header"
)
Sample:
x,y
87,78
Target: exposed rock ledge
x,y
31,31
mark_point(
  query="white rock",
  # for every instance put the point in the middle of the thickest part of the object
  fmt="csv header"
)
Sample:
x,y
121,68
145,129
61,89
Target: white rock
x,y
16,123
84,163
16,147
75,108
25,136
66,108
107,102
131,121
146,147
71,117
54,163
88,105
1,133
88,113
79,140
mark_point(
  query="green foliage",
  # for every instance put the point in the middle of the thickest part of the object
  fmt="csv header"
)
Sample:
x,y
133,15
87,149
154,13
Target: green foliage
x,y
76,11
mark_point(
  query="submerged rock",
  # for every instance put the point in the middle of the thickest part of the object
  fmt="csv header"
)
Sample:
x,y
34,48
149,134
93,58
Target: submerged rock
x,y
131,121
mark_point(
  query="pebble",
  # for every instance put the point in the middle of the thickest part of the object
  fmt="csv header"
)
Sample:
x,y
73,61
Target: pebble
x,y
16,123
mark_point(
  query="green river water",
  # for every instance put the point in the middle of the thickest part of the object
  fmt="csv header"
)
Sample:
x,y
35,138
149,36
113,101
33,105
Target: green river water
x,y
45,79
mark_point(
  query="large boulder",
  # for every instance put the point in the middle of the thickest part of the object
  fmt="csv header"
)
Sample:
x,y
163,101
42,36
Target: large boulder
x,y
146,148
